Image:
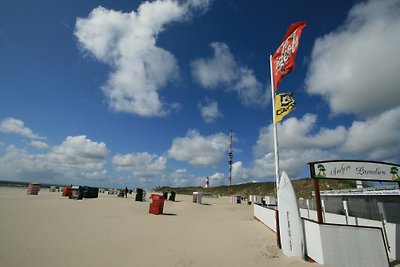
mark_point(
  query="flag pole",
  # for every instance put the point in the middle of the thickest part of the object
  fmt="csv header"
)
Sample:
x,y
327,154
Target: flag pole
x,y
275,128
286,55
278,235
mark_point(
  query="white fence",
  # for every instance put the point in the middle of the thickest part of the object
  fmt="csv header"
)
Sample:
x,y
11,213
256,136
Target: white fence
x,y
345,246
351,242
266,216
391,231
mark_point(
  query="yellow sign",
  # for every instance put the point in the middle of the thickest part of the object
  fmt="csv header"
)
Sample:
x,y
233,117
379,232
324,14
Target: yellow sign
x,y
284,103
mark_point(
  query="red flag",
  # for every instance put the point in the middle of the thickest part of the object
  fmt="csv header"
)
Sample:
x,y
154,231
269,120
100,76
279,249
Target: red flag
x,y
285,55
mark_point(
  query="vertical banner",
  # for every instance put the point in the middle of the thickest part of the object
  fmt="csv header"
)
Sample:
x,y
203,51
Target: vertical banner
x,y
285,55
284,104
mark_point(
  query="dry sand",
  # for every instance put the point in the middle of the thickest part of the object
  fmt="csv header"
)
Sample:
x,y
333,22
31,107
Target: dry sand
x,y
50,230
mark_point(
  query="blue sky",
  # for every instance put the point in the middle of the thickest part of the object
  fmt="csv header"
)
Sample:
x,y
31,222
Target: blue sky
x,y
142,94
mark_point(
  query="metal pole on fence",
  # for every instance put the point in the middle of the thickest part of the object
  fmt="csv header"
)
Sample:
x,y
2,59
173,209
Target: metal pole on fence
x,y
323,210
382,214
346,211
317,194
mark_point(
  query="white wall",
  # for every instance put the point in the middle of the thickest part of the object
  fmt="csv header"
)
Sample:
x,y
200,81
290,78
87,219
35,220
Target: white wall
x,y
312,241
392,230
266,216
339,245
358,247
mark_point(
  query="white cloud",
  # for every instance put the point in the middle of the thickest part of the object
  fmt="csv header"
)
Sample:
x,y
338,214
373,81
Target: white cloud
x,y
18,164
219,69
299,143
82,152
217,176
376,138
355,68
39,144
209,111
15,126
262,167
296,133
178,178
223,70
77,158
127,43
217,179
292,161
183,178
240,174
142,165
198,150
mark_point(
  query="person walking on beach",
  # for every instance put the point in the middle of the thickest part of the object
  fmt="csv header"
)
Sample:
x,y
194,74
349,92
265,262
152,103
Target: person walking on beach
x,y
126,192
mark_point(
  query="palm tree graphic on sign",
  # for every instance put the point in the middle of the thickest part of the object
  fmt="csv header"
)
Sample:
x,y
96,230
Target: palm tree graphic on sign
x,y
321,171
394,171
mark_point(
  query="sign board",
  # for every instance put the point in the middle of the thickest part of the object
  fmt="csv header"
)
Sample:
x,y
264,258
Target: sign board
x,y
355,170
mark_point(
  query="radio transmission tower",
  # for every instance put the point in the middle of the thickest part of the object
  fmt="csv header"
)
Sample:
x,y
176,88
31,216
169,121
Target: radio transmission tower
x,y
230,157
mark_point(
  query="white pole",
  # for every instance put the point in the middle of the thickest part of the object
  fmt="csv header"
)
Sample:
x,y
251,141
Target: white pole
x,y
346,211
323,209
275,128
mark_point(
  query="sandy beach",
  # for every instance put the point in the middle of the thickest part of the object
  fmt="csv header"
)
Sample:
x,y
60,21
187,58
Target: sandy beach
x,y
50,230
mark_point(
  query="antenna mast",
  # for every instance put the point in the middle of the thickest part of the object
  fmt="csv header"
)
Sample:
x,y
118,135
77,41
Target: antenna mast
x,y
230,157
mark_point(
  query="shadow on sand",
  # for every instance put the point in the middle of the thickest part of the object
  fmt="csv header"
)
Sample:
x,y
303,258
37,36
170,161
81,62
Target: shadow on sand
x,y
169,214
